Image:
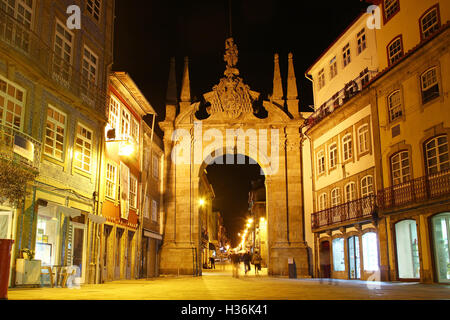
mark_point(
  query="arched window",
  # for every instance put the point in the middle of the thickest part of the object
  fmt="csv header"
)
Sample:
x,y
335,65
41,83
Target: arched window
x,y
333,156
436,155
395,105
366,186
400,169
347,147
320,162
335,197
363,137
430,22
429,85
323,201
395,50
350,192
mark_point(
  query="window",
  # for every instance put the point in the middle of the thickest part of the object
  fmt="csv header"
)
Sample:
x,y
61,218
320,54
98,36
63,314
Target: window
x,y
346,55
430,85
155,167
436,152
135,130
63,53
114,111
320,162
55,131
400,167
370,251
347,147
12,104
93,7
391,7
22,11
395,50
363,137
338,254
408,259
133,191
125,124
395,106
430,22
147,207
89,72
361,40
111,180
323,201
333,156
333,68
350,192
335,197
154,211
83,148
321,79
366,186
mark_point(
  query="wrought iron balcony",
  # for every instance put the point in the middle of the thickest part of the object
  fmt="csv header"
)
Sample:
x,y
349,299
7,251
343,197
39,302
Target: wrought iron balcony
x,y
20,148
415,191
56,69
360,209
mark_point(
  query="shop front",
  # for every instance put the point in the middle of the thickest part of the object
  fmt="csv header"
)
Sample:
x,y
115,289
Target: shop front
x,y
7,229
441,233
149,262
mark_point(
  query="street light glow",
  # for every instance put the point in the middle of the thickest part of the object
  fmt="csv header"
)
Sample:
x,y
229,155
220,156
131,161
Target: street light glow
x,y
201,202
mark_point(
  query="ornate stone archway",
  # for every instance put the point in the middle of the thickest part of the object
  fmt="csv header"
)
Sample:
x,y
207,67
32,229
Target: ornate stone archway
x,y
274,142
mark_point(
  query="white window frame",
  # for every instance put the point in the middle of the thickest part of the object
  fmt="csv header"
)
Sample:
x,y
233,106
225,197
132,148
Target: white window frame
x,y
400,167
125,124
56,124
428,80
361,41
16,101
322,201
350,192
134,130
346,55
333,68
367,186
347,147
333,155
60,51
320,162
89,69
111,180
364,138
114,112
390,8
395,50
395,106
133,191
94,9
440,164
335,197
84,148
321,78
426,28
154,210
155,166
147,207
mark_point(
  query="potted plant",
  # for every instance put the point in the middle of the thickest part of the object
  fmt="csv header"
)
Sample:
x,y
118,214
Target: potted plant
x,y
27,254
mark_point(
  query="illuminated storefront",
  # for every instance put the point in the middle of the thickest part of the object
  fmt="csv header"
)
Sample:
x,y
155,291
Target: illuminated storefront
x,y
408,262
441,235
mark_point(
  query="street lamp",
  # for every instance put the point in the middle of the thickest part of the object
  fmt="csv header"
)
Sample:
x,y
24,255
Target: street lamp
x,y
201,202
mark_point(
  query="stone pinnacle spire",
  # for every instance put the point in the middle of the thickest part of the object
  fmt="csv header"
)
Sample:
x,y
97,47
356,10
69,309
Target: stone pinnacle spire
x,y
186,85
171,97
292,92
277,83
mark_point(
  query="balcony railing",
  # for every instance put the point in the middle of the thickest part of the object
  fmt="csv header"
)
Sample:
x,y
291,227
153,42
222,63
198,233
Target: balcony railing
x,y
20,148
415,191
352,210
58,70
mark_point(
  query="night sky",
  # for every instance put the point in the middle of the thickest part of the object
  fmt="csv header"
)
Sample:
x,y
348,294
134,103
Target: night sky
x,y
148,33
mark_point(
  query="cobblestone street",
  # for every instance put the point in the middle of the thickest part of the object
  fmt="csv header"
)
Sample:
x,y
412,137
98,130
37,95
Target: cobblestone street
x,y
220,285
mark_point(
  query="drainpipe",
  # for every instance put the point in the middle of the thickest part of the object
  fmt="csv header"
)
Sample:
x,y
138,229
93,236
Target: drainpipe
x,y
314,96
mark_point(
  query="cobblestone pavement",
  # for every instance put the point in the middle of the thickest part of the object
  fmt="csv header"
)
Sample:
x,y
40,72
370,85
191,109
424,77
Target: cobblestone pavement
x,y
220,285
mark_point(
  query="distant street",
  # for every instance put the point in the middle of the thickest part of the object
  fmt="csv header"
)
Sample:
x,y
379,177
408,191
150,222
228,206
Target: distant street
x,y
220,285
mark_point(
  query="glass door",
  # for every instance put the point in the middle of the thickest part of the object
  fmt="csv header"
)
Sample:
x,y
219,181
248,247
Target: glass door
x,y
408,262
5,224
441,235
354,258
78,252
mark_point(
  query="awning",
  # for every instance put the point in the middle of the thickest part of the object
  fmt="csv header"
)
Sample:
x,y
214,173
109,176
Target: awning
x,y
212,246
153,235
96,219
68,212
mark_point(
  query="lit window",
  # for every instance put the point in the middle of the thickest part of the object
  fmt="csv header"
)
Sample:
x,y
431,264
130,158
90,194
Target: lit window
x,y
321,79
370,251
400,167
133,192
89,72
93,7
395,50
333,156
361,40
63,53
114,111
430,22
391,7
55,130
367,186
350,192
83,148
323,201
338,254
346,55
437,155
155,167
154,211
395,106
430,85
333,68
125,124
320,162
111,180
12,104
335,197
363,137
347,147
135,130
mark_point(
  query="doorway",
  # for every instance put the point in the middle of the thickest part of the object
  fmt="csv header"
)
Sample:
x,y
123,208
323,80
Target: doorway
x,y
129,255
441,236
118,256
108,253
325,261
354,261
407,245
78,252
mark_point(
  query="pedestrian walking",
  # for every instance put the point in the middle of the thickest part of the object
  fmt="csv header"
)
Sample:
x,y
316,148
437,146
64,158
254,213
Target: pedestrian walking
x,y
212,262
235,261
247,260
256,260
